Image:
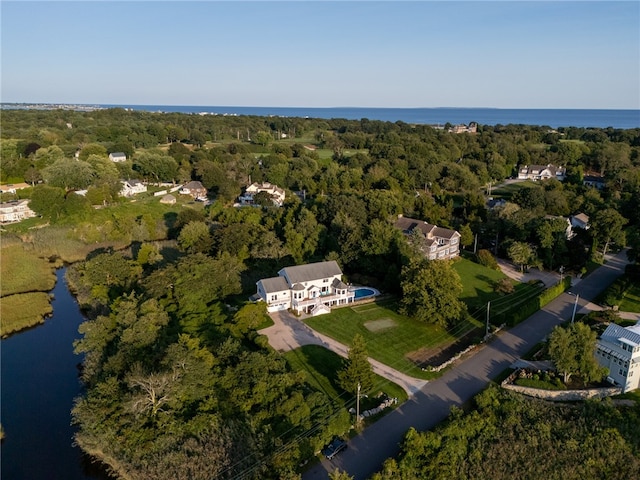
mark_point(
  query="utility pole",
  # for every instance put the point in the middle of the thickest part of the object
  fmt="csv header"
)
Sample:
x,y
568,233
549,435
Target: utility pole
x,y
575,306
486,334
358,406
475,245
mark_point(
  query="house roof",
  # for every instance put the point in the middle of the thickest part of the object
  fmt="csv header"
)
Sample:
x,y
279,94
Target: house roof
x,y
407,225
274,284
584,218
311,271
193,185
117,154
339,284
616,332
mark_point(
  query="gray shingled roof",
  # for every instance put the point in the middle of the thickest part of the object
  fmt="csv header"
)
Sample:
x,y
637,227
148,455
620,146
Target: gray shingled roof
x,y
274,284
311,271
407,225
339,284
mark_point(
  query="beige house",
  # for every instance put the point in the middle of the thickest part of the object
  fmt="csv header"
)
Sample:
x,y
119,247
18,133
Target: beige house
x,y
117,157
438,243
15,211
311,288
195,189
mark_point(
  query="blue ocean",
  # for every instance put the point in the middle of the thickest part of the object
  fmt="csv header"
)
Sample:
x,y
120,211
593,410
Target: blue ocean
x,y
552,118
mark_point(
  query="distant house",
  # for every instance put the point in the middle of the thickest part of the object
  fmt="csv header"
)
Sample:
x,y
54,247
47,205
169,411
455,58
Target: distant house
x,y
311,148
594,181
580,220
462,128
132,187
13,187
277,194
168,199
541,172
618,349
195,189
117,157
15,211
311,288
438,244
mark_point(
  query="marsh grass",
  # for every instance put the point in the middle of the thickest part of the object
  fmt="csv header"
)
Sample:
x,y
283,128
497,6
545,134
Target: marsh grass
x,y
25,310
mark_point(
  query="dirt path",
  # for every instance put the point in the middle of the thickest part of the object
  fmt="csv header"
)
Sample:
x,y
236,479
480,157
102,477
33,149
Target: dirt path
x,y
288,333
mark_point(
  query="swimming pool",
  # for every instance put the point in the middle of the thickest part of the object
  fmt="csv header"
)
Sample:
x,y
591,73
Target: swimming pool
x,y
364,292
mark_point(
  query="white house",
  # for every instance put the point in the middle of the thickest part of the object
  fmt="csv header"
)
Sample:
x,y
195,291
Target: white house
x,y
311,288
117,157
13,187
277,194
439,243
541,172
580,220
15,211
132,187
618,349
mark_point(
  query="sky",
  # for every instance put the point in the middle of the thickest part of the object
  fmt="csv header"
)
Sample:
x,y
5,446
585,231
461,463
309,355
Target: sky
x,y
503,54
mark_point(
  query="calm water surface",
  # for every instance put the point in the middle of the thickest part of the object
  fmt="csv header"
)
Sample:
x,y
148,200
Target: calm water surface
x,y
39,375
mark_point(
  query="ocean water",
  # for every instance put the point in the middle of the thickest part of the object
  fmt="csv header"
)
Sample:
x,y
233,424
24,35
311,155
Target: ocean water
x,y
552,118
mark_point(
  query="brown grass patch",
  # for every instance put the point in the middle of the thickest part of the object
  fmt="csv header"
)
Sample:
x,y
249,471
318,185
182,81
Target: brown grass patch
x,y
380,325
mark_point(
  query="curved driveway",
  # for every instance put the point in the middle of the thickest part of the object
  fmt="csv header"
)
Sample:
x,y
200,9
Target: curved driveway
x,y
431,405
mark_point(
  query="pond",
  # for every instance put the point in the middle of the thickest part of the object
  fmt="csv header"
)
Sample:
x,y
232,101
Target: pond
x,y
39,374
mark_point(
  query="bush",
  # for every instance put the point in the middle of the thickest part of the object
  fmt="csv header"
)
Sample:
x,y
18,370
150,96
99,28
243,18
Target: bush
x,y
485,257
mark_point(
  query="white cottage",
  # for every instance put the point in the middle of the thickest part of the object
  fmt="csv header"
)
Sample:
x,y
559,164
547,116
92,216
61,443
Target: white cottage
x,y
311,288
618,349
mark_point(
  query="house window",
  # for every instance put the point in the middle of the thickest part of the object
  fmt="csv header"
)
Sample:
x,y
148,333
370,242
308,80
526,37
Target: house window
x,y
325,280
274,298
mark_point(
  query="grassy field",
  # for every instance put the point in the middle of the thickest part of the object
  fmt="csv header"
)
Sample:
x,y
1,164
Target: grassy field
x,y
22,271
477,282
18,312
507,191
322,365
391,345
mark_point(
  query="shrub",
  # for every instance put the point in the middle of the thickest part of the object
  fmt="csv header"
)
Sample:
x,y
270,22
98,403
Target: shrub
x,y
485,257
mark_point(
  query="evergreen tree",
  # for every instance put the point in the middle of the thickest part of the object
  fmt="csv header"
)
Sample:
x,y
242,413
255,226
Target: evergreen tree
x,y
357,369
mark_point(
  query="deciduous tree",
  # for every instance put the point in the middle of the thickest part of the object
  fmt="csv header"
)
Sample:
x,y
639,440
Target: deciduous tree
x,y
431,291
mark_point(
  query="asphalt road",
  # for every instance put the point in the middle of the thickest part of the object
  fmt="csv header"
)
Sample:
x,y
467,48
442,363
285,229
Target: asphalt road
x,y
367,451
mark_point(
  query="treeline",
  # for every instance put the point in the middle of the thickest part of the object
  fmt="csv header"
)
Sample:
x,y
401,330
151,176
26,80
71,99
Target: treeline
x,y
511,436
387,168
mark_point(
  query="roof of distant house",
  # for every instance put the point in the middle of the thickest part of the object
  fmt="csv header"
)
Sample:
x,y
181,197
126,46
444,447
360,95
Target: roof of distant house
x,y
193,185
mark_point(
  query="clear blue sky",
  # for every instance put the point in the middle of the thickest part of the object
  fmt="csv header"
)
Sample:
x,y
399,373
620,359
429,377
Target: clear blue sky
x,y
543,54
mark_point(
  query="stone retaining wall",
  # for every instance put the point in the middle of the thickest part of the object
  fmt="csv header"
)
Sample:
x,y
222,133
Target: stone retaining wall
x,y
560,395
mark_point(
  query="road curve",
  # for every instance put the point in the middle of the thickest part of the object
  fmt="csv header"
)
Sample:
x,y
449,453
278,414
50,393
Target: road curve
x,y
367,451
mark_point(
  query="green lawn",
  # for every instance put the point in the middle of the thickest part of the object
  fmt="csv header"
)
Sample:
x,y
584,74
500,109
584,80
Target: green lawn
x,y
631,299
507,191
478,281
390,345
321,367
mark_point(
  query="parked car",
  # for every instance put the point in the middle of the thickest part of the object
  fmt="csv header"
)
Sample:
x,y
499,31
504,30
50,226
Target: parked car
x,y
334,448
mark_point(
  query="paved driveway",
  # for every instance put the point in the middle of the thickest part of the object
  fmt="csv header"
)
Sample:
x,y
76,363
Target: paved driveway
x,y
431,405
288,333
